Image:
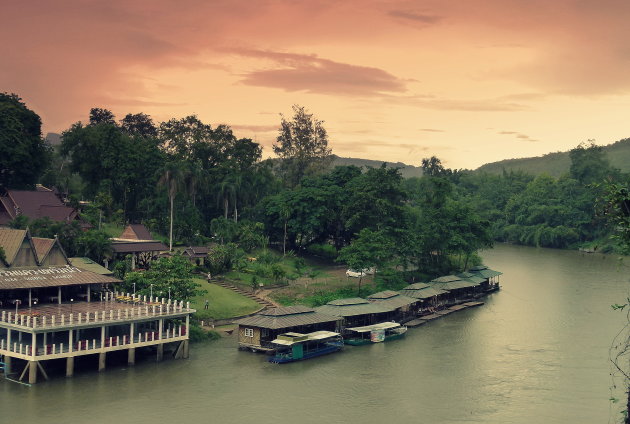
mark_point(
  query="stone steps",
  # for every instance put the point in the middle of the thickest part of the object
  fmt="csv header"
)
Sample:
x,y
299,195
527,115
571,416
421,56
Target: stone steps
x,y
259,300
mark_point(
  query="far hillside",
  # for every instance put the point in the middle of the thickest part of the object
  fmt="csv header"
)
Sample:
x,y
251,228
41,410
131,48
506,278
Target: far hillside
x,y
407,171
556,164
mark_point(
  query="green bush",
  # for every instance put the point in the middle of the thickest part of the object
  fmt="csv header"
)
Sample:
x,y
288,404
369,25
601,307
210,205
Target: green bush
x,y
198,334
323,250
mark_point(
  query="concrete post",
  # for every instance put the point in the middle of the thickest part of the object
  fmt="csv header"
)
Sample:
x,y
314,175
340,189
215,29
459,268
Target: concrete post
x,y
160,352
88,293
59,295
34,349
186,348
32,372
160,328
70,343
131,356
7,365
30,298
101,361
102,337
69,366
131,331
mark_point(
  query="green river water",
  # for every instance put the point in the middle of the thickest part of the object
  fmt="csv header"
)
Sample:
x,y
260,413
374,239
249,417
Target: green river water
x,y
536,352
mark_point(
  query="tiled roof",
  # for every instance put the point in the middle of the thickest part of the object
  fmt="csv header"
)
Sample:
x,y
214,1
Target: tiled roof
x,y
52,276
11,240
137,246
196,251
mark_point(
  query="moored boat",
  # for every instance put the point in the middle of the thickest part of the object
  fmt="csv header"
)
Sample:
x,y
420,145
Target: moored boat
x,y
291,347
376,333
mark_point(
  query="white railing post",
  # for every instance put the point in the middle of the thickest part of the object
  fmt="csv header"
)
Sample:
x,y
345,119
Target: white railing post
x,y
35,322
53,320
44,321
119,314
63,319
111,314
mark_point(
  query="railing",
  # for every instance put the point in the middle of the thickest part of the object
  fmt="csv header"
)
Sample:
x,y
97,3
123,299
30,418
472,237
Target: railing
x,y
143,307
109,343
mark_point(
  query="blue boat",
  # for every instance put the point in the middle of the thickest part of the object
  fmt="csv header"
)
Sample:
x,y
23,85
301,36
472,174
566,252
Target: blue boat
x,y
291,347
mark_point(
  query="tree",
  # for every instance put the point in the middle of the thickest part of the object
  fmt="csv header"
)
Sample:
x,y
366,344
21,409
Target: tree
x,y
94,244
23,154
589,163
101,116
371,249
139,124
302,146
172,178
167,275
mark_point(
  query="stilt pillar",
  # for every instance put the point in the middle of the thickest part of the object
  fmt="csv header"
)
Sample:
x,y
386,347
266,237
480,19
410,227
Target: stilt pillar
x,y
160,352
70,366
131,356
7,365
32,372
186,347
101,361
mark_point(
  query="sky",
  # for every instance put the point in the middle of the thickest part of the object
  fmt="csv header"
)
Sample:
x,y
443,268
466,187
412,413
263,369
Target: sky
x,y
471,82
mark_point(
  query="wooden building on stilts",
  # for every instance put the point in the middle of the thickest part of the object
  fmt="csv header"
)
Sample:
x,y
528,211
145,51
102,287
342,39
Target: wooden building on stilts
x,y
51,310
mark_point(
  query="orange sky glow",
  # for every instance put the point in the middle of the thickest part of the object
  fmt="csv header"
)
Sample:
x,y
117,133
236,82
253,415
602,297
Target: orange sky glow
x,y
468,81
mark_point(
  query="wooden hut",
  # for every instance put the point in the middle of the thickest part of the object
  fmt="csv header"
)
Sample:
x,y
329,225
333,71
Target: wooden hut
x,y
137,241
257,331
490,276
196,254
431,298
358,312
405,308
475,279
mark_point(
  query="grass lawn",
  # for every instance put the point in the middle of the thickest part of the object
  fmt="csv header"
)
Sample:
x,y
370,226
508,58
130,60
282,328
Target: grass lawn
x,y
224,303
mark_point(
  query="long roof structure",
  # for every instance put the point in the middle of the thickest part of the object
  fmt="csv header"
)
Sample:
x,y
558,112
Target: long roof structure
x,y
392,299
352,307
286,317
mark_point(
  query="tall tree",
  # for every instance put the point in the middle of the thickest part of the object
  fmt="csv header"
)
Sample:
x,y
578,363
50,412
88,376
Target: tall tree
x,y
23,154
172,177
101,116
302,146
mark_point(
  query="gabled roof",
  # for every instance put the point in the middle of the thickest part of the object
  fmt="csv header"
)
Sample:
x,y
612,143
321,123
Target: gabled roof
x,y
36,204
486,272
136,232
352,307
417,286
52,276
11,241
387,294
469,276
196,251
287,317
42,247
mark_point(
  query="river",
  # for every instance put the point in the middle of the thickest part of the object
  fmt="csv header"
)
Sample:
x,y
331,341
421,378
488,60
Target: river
x,y
536,352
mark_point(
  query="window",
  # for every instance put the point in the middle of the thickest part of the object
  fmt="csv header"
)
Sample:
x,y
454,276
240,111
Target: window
x,y
249,332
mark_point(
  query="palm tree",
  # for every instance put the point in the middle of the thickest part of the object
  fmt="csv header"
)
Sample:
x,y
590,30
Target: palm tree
x,y
172,178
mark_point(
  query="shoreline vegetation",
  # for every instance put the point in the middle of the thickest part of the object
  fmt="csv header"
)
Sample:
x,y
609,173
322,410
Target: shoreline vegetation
x,y
191,184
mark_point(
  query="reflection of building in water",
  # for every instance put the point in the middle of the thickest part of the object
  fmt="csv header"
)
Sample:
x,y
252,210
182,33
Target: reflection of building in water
x,y
50,309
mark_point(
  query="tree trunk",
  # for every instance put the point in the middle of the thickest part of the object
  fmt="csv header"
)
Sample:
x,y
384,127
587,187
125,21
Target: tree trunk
x,y
170,241
284,239
225,207
235,212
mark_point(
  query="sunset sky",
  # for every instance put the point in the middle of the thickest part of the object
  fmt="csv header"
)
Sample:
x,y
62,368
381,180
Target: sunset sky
x,y
468,81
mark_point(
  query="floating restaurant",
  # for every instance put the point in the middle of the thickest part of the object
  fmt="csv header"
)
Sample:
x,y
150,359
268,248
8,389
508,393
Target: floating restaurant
x,y
51,310
405,307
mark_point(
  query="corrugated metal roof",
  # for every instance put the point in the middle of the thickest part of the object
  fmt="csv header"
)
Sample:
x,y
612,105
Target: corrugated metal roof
x,y
478,268
52,276
487,273
288,317
383,295
11,241
353,306
396,302
454,285
468,276
425,293
88,264
417,286
446,279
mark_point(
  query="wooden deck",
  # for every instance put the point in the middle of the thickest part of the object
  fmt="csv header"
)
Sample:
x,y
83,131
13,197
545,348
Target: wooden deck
x,y
439,314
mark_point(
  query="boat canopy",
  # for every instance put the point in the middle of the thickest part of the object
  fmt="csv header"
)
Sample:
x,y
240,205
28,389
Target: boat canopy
x,y
373,327
289,339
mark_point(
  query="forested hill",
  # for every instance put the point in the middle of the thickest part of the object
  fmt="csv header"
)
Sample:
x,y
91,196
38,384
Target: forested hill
x,y
556,164
407,171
